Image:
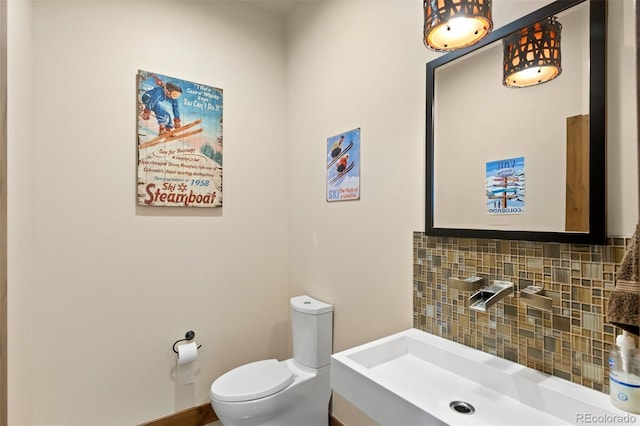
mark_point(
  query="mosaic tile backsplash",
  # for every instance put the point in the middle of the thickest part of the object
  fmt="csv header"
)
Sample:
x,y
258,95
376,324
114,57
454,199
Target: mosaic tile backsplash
x,y
572,341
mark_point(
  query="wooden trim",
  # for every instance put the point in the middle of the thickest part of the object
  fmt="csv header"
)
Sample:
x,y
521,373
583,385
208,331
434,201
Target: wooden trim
x,y
195,416
202,415
333,421
577,171
4,417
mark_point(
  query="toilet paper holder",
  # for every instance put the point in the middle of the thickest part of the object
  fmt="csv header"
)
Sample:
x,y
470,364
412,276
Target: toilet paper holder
x,y
189,335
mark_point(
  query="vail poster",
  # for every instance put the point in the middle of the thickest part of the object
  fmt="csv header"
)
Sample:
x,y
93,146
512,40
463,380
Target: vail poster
x,y
179,132
343,166
505,186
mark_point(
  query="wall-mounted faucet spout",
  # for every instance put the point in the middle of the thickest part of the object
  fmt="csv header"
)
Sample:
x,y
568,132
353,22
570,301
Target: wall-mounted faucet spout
x,y
486,297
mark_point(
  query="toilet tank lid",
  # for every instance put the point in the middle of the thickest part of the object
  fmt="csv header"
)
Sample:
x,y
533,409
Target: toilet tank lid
x,y
252,381
309,305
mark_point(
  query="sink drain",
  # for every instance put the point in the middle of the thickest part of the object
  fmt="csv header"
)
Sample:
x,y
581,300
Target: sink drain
x,y
462,407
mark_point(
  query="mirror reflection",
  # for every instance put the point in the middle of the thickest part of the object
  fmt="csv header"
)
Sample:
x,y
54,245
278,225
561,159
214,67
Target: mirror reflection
x,y
518,161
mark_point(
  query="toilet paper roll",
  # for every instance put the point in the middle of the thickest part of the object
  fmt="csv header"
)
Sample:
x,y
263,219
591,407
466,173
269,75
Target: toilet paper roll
x,y
187,353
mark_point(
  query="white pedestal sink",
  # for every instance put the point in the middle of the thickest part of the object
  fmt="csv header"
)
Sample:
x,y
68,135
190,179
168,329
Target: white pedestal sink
x,y
413,377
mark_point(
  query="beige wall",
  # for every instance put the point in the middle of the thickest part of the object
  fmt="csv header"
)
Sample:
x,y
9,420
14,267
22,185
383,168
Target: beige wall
x,y
622,119
357,64
20,213
101,288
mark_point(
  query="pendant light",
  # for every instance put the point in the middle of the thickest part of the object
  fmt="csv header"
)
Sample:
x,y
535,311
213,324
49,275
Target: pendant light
x,y
532,54
454,24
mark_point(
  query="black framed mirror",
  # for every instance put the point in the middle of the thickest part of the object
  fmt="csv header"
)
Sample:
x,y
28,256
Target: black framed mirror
x,y
484,139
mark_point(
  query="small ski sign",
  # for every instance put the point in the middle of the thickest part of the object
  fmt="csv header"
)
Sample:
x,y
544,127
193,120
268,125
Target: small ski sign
x,y
343,166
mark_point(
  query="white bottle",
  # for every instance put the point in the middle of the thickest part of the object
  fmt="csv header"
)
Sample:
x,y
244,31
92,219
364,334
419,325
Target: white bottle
x,y
624,381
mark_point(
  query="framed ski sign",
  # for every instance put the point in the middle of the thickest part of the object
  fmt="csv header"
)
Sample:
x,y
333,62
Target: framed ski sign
x,y
179,136
343,166
505,186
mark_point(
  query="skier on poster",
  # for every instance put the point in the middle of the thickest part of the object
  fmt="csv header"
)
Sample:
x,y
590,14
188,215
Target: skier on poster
x,y
342,164
336,148
155,99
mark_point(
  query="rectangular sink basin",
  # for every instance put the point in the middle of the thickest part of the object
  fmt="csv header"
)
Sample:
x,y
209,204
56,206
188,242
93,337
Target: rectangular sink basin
x,y
413,377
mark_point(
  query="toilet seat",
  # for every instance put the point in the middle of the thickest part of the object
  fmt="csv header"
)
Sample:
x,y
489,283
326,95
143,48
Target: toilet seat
x,y
252,381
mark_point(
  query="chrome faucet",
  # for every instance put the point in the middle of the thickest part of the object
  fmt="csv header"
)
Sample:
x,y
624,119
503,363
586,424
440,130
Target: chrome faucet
x,y
486,297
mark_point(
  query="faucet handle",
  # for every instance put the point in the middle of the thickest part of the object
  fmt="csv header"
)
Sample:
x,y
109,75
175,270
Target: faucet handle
x,y
467,284
534,296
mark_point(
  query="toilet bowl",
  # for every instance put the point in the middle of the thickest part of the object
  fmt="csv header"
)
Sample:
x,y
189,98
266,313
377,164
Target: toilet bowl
x,y
294,392
301,399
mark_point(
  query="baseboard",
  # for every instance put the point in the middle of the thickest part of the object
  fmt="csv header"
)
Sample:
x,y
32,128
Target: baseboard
x,y
195,416
333,421
202,415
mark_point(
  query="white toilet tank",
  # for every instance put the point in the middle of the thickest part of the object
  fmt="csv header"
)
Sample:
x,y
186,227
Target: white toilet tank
x,y
312,331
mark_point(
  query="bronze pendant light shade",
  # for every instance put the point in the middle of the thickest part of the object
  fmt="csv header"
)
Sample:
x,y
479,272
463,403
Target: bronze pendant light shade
x,y
454,24
532,54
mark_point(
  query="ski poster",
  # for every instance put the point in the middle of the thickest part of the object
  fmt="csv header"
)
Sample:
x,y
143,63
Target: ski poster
x,y
179,136
505,186
343,166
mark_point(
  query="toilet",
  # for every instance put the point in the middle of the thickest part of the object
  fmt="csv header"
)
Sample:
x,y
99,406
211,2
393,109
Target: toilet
x,y
294,392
